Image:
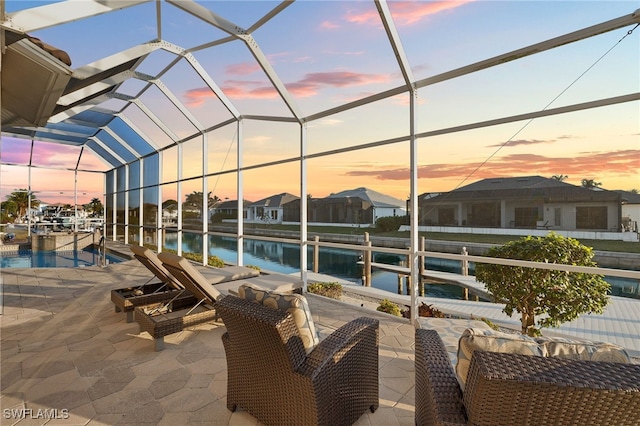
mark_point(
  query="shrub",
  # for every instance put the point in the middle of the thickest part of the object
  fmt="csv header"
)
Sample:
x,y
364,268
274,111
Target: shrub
x,y
214,261
389,307
424,310
219,217
332,290
390,223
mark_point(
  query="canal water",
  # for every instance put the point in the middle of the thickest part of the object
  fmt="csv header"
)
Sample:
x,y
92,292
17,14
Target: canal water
x,y
343,264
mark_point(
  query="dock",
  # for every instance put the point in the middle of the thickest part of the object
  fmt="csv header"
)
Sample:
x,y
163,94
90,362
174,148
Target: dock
x,y
467,282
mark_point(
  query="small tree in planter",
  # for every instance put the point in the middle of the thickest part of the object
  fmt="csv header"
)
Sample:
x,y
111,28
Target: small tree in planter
x,y
558,295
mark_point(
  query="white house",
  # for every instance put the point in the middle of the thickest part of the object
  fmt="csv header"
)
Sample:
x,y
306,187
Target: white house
x,y
270,209
630,210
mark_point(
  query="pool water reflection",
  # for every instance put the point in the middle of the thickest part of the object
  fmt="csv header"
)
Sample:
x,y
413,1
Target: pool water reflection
x,y
54,259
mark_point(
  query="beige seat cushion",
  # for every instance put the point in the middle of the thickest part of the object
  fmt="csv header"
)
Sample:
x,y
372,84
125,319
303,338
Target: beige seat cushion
x,y
295,304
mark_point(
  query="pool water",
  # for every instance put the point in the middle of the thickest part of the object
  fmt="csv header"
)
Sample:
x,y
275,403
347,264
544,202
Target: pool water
x,y
54,259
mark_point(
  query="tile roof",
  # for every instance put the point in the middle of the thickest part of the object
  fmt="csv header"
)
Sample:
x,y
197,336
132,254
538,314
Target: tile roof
x,y
377,199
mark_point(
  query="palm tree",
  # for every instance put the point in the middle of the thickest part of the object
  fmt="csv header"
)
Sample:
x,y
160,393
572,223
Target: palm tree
x,y
590,184
94,207
560,178
8,211
195,200
21,199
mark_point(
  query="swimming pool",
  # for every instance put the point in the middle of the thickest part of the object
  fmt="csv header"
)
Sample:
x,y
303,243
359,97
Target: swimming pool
x,y
54,259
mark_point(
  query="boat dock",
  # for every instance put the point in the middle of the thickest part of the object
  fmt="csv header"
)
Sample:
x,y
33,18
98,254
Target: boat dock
x,y
467,282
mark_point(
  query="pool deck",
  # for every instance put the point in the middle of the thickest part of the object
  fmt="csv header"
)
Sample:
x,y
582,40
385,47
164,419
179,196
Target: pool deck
x,y
63,347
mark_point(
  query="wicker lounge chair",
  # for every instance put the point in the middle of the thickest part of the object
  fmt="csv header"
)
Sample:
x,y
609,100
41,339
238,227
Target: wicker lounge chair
x,y
168,288
510,389
271,376
160,320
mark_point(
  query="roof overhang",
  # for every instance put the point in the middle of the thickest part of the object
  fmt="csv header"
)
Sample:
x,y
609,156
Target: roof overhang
x,y
33,79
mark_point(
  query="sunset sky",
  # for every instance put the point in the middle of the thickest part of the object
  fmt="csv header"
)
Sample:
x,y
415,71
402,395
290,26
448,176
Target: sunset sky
x,y
328,53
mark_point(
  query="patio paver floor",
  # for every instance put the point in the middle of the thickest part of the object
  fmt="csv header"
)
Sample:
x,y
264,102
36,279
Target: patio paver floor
x,y
66,351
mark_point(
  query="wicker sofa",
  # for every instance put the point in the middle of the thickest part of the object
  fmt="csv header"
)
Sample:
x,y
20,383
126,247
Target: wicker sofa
x,y
517,389
275,378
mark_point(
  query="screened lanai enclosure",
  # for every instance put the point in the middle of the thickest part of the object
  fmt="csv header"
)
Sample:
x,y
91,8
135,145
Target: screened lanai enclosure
x,y
166,109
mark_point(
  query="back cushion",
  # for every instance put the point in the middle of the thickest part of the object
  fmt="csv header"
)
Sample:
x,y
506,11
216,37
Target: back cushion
x,y
295,304
496,341
581,349
473,339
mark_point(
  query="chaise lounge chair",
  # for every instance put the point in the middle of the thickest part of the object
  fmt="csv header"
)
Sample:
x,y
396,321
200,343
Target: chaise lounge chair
x,y
160,321
168,289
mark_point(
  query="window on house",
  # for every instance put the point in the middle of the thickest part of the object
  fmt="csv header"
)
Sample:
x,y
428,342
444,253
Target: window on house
x,y
526,217
484,214
274,214
591,217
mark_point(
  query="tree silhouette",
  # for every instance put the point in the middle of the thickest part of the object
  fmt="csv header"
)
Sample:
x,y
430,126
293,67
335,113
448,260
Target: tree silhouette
x,y
8,211
560,178
590,184
170,206
94,207
21,199
194,200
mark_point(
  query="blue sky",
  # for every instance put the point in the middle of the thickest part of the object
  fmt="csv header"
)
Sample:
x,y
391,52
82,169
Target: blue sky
x,y
331,52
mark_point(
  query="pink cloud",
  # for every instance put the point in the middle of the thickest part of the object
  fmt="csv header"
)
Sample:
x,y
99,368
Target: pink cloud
x,y
328,25
307,86
405,12
303,59
624,162
343,78
55,155
244,68
312,82
239,89
408,13
197,97
523,142
303,90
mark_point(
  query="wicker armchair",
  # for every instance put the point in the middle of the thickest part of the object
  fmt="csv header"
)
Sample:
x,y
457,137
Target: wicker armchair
x,y
271,376
509,389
